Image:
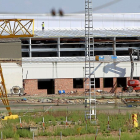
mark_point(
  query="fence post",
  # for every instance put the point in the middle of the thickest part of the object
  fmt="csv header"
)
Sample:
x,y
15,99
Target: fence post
x,y
1,136
33,135
86,125
60,135
20,123
43,124
120,134
108,122
96,134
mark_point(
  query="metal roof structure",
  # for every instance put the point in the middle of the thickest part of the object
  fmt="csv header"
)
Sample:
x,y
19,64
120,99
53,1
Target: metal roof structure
x,y
81,33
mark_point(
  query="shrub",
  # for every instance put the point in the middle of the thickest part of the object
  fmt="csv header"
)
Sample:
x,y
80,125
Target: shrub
x,y
24,133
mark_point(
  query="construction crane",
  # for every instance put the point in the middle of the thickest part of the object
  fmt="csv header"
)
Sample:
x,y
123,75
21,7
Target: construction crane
x,y
133,83
3,96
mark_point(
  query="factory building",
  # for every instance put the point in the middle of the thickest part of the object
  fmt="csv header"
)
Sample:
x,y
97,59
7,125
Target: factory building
x,y
52,63
54,59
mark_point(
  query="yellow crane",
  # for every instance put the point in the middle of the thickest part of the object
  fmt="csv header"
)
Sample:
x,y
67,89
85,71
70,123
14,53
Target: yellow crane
x,y
3,96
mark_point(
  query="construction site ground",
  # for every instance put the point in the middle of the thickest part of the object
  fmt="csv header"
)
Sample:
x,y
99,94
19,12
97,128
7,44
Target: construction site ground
x,y
109,102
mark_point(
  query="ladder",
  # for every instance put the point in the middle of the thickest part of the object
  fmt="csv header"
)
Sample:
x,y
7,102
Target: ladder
x,y
89,63
3,93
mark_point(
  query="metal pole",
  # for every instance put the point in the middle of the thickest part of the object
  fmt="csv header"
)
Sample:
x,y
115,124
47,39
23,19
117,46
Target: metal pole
x,y
96,133
33,135
108,122
120,134
58,47
30,48
60,135
1,135
114,46
43,124
20,123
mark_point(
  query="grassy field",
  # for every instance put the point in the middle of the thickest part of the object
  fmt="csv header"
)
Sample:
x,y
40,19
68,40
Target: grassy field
x,y
76,128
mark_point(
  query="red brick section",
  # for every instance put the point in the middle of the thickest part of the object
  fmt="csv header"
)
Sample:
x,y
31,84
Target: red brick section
x,y
63,84
67,85
110,89
101,84
31,87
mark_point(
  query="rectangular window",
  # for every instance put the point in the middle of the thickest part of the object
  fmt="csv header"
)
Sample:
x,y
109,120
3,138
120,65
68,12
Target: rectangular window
x,y
46,84
77,83
97,82
108,82
121,82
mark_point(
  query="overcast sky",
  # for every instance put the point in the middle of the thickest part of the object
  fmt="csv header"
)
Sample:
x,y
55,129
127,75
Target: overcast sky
x,y
68,6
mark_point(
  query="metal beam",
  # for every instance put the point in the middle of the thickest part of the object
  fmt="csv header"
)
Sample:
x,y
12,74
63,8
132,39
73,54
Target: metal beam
x,y
16,28
58,47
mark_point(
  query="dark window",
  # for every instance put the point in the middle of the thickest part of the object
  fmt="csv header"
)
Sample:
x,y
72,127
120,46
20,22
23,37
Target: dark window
x,y
44,54
46,84
97,82
77,83
108,82
25,54
121,82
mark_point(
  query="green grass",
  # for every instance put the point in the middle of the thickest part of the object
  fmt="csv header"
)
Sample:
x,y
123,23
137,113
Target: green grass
x,y
78,127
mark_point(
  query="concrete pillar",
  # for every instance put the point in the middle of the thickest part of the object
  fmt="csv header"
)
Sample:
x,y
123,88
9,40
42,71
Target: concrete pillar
x,y
114,46
58,47
30,48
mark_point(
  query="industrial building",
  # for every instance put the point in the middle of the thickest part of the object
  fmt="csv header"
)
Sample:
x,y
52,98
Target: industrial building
x,y
54,60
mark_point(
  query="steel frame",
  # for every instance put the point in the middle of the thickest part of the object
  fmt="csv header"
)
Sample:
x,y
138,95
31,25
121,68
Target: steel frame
x,y
15,28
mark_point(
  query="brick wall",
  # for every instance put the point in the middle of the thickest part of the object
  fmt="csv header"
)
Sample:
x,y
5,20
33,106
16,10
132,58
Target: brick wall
x,y
110,89
67,85
31,87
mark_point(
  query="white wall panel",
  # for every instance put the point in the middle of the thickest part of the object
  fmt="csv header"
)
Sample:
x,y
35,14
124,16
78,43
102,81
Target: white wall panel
x,y
12,75
76,70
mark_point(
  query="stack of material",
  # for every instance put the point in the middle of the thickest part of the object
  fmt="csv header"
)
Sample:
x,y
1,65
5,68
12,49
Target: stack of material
x,y
106,58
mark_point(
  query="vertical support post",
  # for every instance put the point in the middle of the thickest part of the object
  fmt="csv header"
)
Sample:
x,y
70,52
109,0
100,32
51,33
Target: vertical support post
x,y
120,134
33,135
43,124
58,47
66,121
108,122
96,133
1,136
20,123
114,45
33,28
30,48
60,135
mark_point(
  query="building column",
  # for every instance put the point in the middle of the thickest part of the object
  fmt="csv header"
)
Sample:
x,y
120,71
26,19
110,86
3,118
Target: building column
x,y
58,47
127,78
114,85
114,46
30,48
101,83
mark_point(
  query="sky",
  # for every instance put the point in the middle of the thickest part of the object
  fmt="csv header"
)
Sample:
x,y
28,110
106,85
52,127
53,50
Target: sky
x,y
68,6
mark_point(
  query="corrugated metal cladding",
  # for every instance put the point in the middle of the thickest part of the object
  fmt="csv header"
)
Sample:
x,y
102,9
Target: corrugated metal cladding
x,y
10,48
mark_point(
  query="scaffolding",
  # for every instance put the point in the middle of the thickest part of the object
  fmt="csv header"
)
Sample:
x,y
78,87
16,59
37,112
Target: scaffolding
x,y
90,102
